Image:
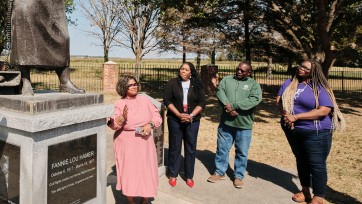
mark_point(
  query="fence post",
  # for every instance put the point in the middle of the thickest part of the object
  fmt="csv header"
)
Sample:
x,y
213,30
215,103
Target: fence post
x,y
158,77
110,76
342,81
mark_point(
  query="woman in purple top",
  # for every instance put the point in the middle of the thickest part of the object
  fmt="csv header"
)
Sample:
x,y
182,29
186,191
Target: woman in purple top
x,y
310,115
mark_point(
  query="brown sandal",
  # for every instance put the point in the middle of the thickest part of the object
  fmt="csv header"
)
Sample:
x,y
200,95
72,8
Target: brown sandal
x,y
300,197
317,200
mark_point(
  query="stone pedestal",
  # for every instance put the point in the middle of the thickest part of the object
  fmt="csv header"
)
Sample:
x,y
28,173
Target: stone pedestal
x,y
209,77
53,148
158,135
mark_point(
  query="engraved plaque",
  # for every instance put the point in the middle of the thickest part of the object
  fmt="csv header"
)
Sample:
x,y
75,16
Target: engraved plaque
x,y
72,171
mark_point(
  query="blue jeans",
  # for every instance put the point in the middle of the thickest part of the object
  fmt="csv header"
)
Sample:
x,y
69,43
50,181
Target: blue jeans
x,y
226,136
188,133
311,150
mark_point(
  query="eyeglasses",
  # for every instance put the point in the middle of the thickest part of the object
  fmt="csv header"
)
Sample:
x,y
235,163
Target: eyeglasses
x,y
240,70
304,68
130,85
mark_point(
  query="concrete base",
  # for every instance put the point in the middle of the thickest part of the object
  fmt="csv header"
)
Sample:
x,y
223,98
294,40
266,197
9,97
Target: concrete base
x,y
61,148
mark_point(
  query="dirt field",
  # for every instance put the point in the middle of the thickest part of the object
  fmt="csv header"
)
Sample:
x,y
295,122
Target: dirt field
x,y
269,145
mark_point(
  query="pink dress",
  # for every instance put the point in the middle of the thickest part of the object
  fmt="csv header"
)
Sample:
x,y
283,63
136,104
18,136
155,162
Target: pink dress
x,y
136,159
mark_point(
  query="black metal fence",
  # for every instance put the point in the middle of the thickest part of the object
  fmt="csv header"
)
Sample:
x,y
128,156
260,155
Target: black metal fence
x,y
89,76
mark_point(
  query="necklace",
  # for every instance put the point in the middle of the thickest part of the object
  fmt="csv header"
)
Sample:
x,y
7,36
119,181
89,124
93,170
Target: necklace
x,y
299,91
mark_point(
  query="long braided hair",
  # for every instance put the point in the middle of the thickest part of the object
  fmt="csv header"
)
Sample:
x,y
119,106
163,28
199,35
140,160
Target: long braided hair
x,y
317,79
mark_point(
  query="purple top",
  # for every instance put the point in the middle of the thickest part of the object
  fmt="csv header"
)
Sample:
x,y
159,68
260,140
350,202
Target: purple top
x,y
304,101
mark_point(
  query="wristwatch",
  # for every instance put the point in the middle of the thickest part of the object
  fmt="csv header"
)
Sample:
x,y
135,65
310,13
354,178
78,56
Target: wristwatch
x,y
192,115
152,124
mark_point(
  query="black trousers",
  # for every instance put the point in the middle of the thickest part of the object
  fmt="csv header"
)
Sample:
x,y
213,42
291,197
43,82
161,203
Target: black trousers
x,y
179,132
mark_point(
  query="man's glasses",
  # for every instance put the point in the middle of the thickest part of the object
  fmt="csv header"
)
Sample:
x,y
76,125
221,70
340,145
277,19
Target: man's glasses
x,y
240,70
304,68
130,85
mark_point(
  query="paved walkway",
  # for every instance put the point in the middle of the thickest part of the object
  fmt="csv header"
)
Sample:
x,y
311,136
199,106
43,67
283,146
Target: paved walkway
x,y
263,184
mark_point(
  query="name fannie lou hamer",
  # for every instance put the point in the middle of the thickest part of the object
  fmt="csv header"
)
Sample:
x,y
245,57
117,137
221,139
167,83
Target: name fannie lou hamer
x,y
71,160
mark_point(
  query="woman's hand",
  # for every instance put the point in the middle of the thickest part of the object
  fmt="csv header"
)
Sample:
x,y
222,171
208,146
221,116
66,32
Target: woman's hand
x,y
122,118
185,118
147,129
290,119
125,112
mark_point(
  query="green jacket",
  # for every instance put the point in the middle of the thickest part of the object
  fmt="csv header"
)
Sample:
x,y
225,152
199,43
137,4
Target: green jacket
x,y
243,95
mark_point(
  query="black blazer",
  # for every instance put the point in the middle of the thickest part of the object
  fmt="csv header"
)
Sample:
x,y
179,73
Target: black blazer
x,y
173,94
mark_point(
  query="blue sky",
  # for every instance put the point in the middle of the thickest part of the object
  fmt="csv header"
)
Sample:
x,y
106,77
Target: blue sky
x,y
83,44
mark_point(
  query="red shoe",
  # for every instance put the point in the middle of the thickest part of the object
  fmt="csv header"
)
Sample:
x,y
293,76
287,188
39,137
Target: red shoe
x,y
172,181
190,183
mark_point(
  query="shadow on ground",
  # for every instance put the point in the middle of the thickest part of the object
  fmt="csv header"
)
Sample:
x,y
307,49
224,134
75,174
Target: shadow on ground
x,y
336,197
111,181
266,172
255,169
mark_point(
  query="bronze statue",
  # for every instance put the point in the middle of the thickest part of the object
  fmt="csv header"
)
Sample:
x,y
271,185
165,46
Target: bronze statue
x,y
40,39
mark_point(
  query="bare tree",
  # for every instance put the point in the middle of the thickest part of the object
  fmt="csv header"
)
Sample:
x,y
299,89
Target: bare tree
x,y
103,14
139,20
173,32
185,29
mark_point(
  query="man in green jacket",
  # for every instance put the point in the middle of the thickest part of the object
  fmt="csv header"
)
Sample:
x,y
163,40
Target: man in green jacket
x,y
238,95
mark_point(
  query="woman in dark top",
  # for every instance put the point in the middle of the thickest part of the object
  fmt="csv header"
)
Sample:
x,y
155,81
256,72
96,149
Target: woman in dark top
x,y
184,97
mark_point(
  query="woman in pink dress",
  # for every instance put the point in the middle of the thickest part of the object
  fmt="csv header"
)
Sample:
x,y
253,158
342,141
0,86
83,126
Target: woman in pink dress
x,y
134,149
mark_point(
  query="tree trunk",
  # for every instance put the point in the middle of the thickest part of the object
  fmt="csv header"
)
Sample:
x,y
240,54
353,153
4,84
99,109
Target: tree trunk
x,y
105,54
270,68
247,32
328,63
198,60
213,56
325,51
138,65
183,54
138,69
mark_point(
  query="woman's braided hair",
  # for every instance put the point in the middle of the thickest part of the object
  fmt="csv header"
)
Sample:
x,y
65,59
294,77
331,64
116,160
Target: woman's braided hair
x,y
317,78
